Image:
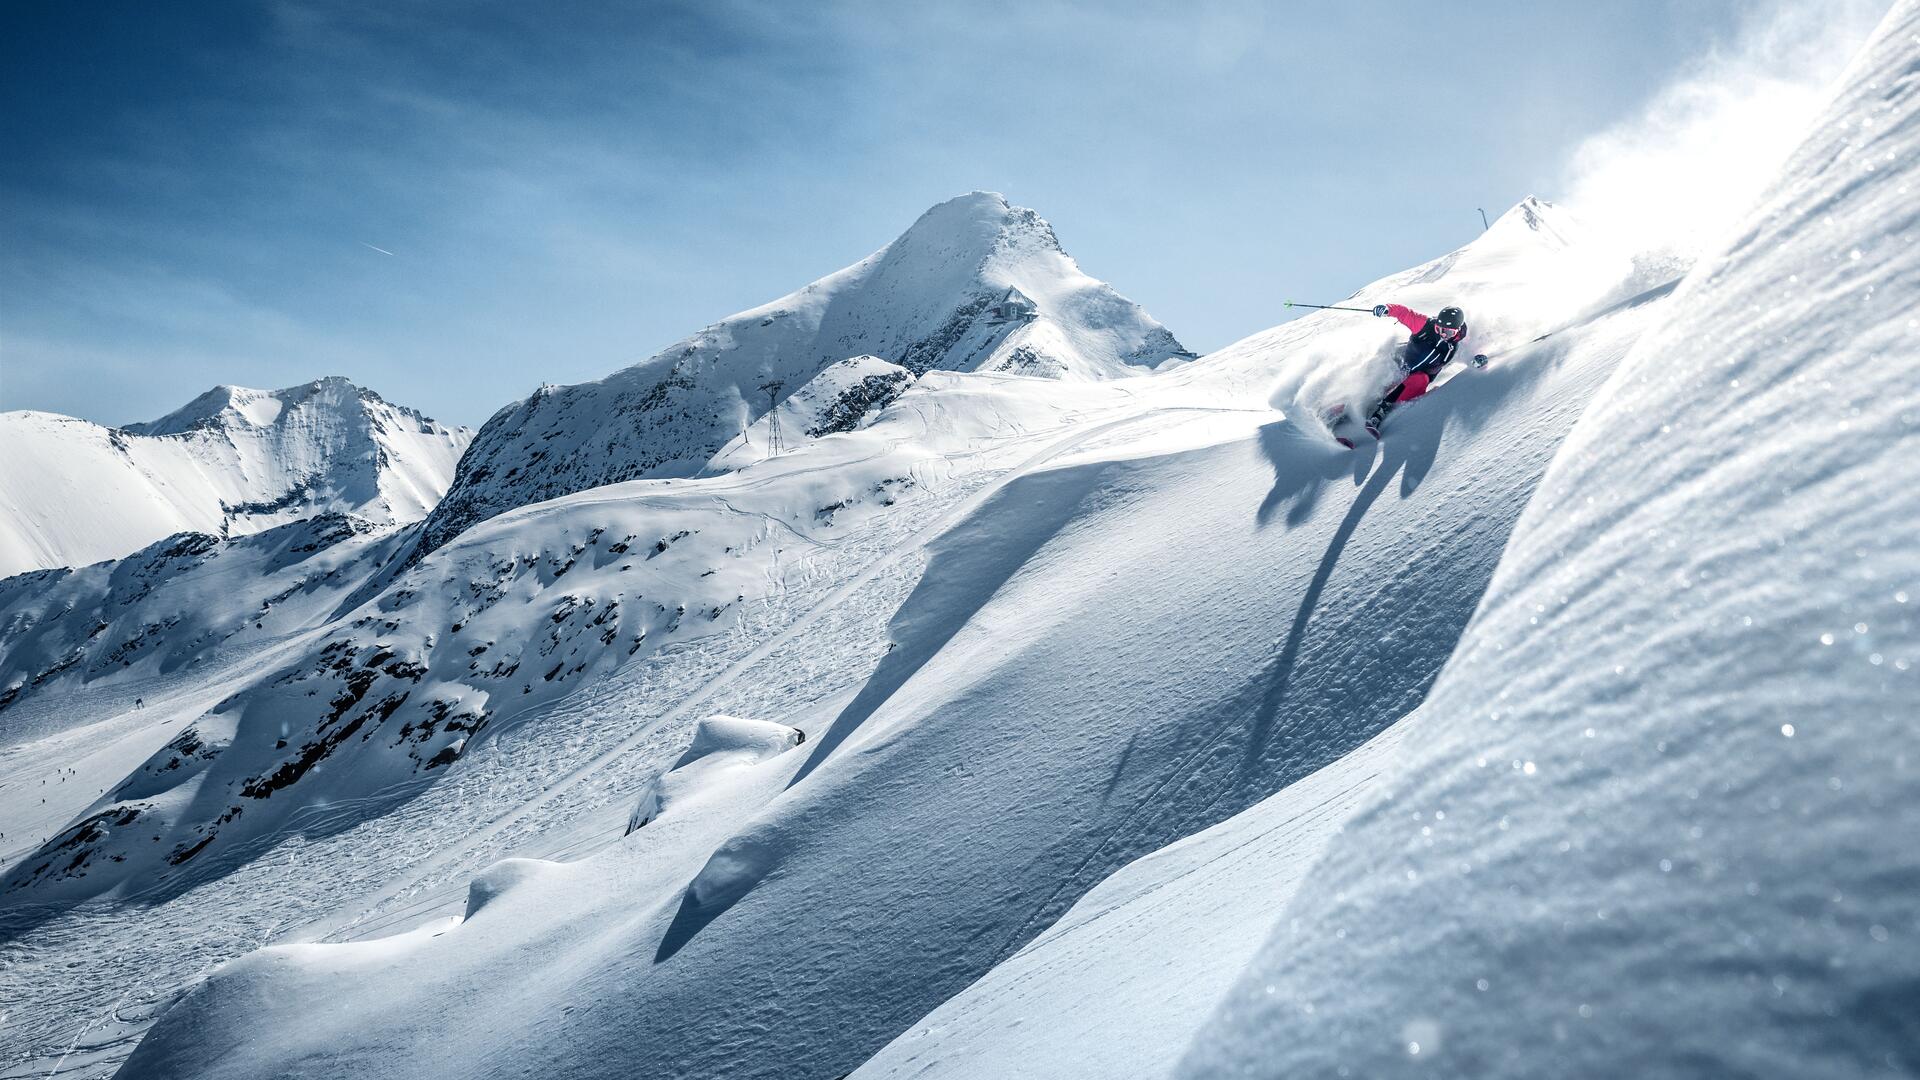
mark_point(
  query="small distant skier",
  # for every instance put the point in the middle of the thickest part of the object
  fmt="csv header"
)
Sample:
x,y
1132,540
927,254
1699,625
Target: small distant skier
x,y
1431,347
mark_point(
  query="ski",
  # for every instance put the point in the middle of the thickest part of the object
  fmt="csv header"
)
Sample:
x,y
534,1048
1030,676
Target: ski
x,y
1337,416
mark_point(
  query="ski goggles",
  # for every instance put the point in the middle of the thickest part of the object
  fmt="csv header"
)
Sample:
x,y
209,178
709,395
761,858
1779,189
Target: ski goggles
x,y
1448,332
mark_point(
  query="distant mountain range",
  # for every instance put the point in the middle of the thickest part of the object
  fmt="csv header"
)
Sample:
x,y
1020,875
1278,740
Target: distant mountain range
x,y
230,462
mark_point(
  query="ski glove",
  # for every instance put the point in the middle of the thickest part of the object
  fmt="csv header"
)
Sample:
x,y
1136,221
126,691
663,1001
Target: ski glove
x,y
1379,311
1479,360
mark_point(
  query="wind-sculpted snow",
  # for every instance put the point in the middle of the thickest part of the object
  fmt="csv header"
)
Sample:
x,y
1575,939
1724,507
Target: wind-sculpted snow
x,y
1179,610
1657,816
974,285
721,745
231,462
1124,979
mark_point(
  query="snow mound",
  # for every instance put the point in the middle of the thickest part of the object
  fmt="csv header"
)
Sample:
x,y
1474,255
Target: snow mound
x,y
721,745
747,740
507,874
1657,813
231,462
975,285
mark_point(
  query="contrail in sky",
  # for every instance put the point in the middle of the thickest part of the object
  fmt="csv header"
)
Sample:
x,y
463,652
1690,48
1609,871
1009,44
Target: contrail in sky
x,y
381,250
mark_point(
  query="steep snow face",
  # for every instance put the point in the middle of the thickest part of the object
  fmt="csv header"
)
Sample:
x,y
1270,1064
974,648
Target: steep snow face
x,y
1120,984
1183,604
1657,814
159,609
95,662
974,285
231,462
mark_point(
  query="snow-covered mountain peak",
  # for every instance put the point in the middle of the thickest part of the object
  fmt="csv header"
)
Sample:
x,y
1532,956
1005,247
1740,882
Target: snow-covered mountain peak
x,y
213,408
979,232
978,220
1532,224
232,461
975,284
1537,215
227,406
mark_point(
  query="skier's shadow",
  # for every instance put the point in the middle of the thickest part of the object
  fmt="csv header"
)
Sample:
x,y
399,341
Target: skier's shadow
x,y
1302,471
1304,465
970,564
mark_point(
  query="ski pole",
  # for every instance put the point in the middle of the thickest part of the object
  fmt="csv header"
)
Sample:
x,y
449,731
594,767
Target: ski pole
x,y
1327,307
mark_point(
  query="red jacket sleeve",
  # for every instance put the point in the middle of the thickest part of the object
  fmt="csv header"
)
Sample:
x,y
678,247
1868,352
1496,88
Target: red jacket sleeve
x,y
1409,318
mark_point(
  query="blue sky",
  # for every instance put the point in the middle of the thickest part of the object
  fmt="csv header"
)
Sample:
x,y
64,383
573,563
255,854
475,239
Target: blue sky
x,y
194,194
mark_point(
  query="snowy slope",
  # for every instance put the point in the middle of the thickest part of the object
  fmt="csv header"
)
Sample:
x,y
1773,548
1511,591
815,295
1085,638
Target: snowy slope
x,y
232,461
974,285
516,615
843,397
804,557
283,726
1673,750
160,608
1124,979
1176,611
96,663
1557,963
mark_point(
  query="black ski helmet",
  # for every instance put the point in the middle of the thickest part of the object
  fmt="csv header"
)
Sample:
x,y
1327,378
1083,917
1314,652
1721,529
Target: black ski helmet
x,y
1452,318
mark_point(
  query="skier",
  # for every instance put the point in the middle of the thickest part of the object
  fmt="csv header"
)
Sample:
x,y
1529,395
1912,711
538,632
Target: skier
x,y
1432,345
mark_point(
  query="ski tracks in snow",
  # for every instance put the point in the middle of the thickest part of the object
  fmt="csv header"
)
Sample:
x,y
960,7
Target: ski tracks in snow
x,y
728,677
308,881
